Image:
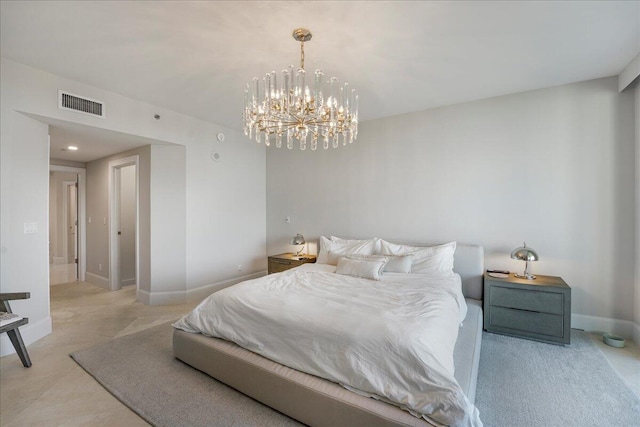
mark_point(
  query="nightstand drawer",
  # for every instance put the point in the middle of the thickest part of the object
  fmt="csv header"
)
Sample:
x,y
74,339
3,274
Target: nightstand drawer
x,y
527,321
544,302
283,262
277,266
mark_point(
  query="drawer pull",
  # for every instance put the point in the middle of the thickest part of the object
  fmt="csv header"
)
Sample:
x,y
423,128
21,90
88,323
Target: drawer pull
x,y
277,261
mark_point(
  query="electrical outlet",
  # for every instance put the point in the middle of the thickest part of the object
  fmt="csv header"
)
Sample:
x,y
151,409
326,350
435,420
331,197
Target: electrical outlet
x,y
99,267
89,220
239,267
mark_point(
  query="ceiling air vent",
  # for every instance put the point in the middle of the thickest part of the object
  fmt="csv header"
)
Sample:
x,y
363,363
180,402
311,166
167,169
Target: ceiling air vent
x,y
68,101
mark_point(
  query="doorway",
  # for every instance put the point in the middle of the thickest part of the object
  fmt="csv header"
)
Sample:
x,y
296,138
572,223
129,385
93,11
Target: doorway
x,y
70,220
66,231
124,223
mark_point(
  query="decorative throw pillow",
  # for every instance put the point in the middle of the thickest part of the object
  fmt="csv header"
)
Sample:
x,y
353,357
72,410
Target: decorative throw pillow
x,y
431,259
367,269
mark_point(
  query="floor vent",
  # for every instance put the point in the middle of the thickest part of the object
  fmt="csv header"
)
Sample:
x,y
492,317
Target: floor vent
x,y
68,101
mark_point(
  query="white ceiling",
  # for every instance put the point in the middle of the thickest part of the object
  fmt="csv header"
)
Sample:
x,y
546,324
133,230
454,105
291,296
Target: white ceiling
x,y
195,57
92,142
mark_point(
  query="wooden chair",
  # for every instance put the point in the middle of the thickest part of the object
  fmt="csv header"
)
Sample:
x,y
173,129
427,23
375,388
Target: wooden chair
x,y
12,328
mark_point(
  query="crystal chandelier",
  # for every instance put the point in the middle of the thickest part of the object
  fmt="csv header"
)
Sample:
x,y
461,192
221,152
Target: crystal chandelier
x,y
291,108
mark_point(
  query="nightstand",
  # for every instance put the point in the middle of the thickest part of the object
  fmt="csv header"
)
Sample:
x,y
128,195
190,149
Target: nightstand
x,y
537,309
282,262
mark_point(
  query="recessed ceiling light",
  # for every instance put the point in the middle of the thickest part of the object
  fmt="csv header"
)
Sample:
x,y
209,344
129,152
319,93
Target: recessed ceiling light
x,y
72,148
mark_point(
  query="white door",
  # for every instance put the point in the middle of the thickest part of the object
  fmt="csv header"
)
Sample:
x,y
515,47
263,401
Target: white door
x,y
72,224
123,228
126,211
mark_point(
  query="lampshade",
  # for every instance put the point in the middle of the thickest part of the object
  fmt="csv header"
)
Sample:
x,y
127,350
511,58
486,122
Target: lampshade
x,y
298,239
526,254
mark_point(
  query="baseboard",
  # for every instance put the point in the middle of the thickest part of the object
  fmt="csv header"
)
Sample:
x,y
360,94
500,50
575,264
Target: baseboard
x,y
161,298
127,282
97,280
31,332
58,260
196,294
625,328
200,293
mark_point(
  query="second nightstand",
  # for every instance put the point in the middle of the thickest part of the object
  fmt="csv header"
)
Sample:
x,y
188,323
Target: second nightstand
x,y
537,309
282,262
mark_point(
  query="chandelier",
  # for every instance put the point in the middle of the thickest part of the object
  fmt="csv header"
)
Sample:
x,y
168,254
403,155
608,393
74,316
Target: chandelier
x,y
293,107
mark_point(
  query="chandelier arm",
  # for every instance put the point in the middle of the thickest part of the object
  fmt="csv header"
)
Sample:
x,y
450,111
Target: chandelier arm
x,y
280,123
322,125
302,55
278,127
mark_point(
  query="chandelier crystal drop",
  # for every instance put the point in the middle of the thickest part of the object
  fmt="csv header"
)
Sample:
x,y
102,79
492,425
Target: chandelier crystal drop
x,y
292,107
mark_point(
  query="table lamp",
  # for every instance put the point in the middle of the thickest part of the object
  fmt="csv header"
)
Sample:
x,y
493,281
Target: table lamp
x,y
526,254
298,239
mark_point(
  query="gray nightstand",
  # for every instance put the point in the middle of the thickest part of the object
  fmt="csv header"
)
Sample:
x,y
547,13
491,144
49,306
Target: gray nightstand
x,y
537,309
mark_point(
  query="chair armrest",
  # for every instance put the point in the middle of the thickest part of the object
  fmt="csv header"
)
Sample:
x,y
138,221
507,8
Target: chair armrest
x,y
14,296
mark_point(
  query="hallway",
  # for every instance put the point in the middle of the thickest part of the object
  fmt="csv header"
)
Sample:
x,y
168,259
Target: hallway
x,y
62,273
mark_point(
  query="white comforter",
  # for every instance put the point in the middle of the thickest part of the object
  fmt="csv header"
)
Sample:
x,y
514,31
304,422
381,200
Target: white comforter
x,y
391,339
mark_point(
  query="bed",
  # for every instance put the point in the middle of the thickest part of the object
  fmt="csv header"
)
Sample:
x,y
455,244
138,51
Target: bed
x,y
314,400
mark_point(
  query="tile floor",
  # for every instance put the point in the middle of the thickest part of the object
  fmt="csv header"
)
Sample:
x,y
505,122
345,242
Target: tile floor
x,y
56,391
626,361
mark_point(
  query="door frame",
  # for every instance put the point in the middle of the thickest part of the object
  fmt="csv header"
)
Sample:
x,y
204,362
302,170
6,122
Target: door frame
x,y
114,202
65,215
82,215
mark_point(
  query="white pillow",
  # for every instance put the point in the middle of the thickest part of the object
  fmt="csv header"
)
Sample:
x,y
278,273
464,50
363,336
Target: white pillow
x,y
330,251
432,259
350,241
367,269
341,241
395,264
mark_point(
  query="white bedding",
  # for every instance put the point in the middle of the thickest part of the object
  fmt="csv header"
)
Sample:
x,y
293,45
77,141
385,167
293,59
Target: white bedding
x,y
391,339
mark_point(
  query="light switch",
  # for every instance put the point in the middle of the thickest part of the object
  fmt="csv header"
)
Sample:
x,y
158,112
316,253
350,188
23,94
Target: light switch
x,y
30,227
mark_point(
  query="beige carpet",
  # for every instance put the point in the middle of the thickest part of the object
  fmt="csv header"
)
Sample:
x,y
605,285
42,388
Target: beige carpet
x,y
140,370
529,383
521,383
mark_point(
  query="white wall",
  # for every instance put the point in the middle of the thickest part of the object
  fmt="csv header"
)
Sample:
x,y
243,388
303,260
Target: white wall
x,y
224,203
53,218
636,337
554,167
168,215
228,201
24,185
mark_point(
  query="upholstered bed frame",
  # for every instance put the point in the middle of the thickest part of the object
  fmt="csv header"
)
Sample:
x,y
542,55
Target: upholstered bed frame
x,y
318,402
